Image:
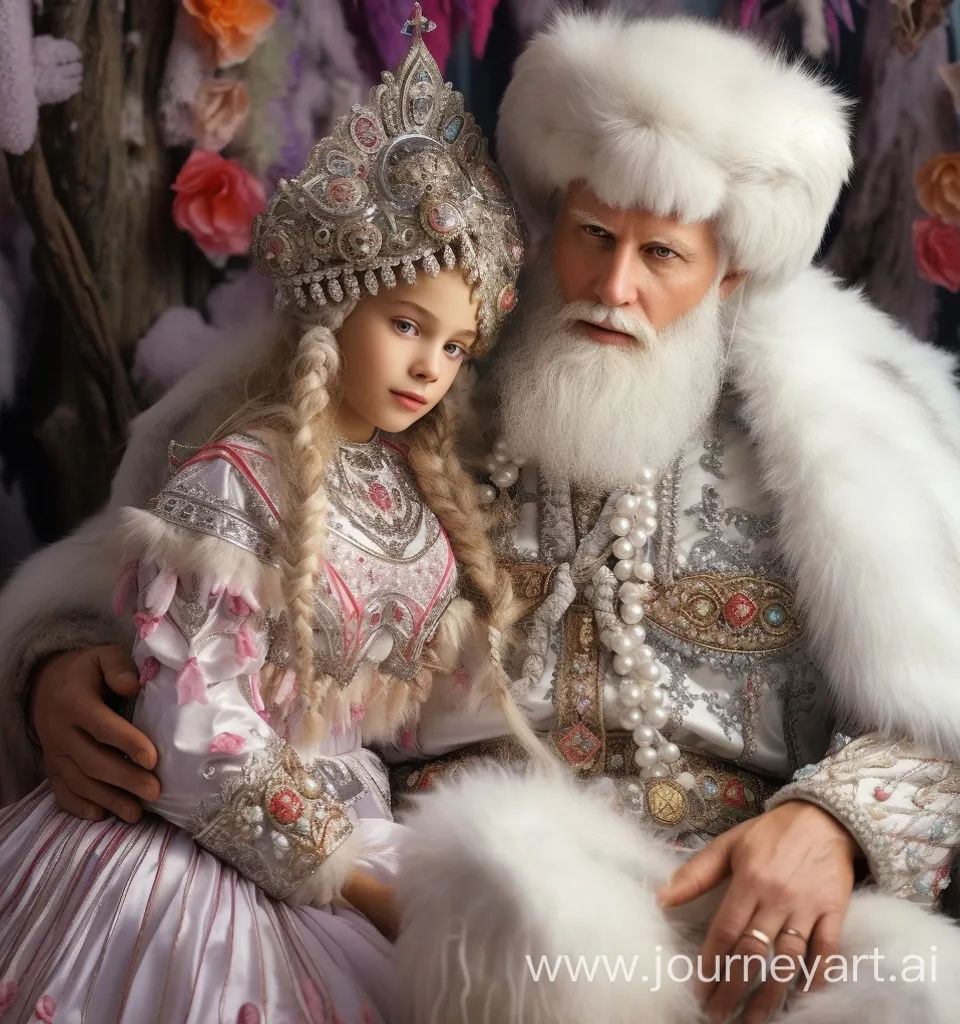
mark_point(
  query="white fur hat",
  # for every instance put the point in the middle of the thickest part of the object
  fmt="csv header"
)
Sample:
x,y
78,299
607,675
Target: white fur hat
x,y
682,118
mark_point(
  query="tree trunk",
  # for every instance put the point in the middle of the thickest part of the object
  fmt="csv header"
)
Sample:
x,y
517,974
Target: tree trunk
x,y
96,189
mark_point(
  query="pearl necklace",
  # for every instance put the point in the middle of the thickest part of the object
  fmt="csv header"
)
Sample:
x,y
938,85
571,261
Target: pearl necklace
x,y
504,472
643,703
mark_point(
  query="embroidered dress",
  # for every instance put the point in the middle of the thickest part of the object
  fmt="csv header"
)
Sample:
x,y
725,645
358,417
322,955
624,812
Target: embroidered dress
x,y
188,916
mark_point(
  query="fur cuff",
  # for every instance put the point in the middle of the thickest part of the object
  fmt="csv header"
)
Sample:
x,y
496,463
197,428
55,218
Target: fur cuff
x,y
324,885
144,537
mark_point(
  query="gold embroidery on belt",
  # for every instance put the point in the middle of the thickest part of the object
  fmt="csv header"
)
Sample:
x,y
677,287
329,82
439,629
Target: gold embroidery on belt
x,y
530,581
580,737
703,793
740,614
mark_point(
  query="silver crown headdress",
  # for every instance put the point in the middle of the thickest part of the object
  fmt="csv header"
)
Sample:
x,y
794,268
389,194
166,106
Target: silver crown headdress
x,y
403,180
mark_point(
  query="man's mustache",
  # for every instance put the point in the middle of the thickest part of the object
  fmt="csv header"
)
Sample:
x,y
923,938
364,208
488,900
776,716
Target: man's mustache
x,y
613,319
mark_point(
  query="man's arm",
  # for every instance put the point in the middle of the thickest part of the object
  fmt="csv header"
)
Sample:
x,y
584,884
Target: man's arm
x,y
59,600
901,803
890,808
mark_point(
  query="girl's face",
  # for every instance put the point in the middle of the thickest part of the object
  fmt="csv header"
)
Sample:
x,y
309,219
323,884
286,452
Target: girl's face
x,y
401,350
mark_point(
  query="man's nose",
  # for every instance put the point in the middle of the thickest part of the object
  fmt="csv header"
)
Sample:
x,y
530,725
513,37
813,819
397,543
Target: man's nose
x,y
618,280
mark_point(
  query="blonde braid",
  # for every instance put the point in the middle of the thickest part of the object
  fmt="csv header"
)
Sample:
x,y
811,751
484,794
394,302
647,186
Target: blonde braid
x,y
452,495
311,443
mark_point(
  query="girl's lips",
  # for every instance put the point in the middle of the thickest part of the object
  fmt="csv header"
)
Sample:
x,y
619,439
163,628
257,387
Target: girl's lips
x,y
409,399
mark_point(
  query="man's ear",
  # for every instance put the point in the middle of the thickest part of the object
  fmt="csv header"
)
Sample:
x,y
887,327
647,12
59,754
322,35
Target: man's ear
x,y
730,282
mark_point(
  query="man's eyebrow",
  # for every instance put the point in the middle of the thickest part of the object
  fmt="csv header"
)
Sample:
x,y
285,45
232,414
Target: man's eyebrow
x,y
590,218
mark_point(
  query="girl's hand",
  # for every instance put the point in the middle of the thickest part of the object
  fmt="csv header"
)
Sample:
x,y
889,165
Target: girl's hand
x,y
375,900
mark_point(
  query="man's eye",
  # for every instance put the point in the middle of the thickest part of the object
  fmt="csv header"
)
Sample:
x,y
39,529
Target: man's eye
x,y
662,252
594,231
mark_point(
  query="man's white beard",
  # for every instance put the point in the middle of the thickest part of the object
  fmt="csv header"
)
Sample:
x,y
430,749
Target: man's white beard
x,y
596,415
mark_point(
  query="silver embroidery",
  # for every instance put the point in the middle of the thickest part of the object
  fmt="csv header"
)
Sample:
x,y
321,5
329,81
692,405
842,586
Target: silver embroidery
x,y
274,820
390,571
186,501
375,493
901,804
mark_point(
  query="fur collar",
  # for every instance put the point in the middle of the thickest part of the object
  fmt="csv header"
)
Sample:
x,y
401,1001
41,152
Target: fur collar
x,y
857,426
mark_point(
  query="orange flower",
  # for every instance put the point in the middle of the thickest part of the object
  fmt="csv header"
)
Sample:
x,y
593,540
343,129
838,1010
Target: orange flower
x,y
217,201
219,110
938,187
235,26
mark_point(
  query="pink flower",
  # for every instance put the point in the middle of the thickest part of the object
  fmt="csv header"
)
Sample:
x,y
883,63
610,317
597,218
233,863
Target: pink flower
x,y
245,645
8,992
151,669
237,605
235,26
191,685
936,249
45,1009
881,794
220,110
146,624
248,1014
217,201
227,743
357,711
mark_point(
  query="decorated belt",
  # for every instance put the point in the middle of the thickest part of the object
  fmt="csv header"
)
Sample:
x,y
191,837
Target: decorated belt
x,y
702,794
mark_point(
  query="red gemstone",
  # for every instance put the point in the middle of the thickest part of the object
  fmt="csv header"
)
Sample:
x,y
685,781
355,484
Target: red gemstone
x,y
578,744
342,191
739,611
733,795
285,807
881,794
366,133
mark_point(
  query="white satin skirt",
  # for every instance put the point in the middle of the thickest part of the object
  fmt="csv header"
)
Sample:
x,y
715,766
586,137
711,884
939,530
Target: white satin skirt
x,y
104,922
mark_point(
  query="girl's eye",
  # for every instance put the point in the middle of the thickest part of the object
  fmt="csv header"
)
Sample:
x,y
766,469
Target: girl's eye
x,y
453,350
407,327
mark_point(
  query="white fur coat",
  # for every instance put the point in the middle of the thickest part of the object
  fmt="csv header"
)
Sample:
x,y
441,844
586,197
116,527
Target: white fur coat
x,y
858,430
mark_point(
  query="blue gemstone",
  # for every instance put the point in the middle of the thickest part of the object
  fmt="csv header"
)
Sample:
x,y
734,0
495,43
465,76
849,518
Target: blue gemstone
x,y
775,615
453,128
710,788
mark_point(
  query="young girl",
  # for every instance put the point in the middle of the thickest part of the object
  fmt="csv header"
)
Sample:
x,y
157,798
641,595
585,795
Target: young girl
x,y
295,588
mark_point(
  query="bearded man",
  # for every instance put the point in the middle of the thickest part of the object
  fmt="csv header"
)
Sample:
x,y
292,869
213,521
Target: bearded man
x,y
736,490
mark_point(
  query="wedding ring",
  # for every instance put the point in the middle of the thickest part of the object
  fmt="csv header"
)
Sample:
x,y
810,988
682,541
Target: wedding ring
x,y
793,931
760,936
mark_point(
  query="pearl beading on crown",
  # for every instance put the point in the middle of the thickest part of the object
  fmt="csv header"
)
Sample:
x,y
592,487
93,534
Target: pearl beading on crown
x,y
644,708
404,180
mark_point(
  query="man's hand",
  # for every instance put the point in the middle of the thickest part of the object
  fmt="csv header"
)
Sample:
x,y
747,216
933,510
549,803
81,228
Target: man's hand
x,y
375,900
84,741
791,878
